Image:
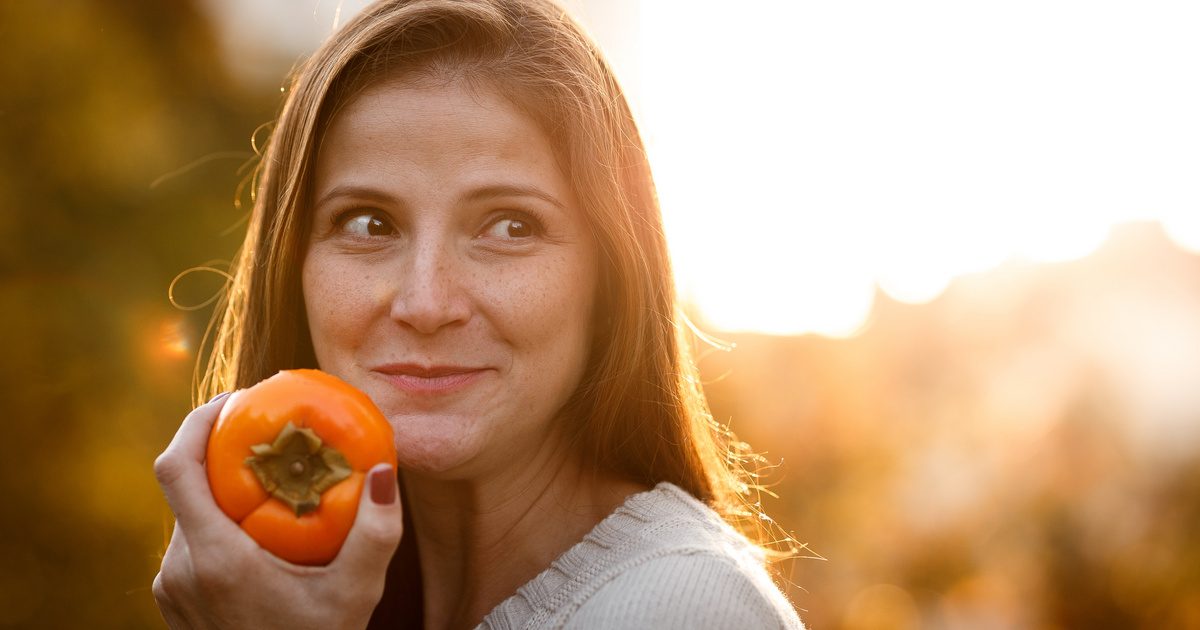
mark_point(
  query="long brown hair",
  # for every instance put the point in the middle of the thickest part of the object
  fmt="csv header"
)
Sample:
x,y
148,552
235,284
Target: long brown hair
x,y
639,410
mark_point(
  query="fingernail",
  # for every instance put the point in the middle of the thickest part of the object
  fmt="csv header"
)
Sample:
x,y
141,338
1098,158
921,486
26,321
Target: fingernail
x,y
217,397
383,486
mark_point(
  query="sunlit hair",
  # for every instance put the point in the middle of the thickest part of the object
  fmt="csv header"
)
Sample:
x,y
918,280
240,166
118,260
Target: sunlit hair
x,y
639,410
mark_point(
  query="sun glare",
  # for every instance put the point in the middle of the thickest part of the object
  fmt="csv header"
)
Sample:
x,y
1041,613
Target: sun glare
x,y
807,153
1184,230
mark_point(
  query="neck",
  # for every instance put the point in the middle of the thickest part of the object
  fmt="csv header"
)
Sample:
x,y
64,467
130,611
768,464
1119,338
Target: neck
x,y
479,539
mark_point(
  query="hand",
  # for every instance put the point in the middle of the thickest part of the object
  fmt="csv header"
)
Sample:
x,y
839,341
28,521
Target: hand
x,y
213,575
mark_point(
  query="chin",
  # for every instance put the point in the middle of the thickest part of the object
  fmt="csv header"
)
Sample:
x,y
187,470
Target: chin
x,y
437,454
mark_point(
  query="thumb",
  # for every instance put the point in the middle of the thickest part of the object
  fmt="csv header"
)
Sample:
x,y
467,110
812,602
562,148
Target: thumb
x,y
377,527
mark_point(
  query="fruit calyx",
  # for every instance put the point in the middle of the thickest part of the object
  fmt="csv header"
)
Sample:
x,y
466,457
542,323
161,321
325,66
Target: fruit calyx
x,y
297,468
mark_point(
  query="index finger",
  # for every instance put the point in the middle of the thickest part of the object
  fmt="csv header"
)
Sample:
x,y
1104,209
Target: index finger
x,y
180,469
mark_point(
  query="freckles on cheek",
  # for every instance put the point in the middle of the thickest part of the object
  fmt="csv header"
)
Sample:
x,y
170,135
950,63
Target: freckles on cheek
x,y
337,307
556,296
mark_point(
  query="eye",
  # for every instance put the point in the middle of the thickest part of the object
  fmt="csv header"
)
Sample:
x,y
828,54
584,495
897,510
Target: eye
x,y
512,228
365,223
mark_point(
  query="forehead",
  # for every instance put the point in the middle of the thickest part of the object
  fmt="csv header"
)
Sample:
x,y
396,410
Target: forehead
x,y
433,124
443,112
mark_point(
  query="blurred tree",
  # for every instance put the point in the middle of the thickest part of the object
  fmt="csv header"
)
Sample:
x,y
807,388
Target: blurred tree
x,y
101,100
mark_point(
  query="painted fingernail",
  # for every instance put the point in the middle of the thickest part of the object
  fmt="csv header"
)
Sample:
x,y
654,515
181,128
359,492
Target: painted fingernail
x,y
217,397
383,486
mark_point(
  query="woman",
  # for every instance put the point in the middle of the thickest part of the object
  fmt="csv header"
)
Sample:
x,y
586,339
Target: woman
x,y
455,214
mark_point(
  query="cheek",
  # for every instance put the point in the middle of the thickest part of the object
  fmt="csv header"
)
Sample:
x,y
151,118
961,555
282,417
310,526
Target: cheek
x,y
336,302
550,306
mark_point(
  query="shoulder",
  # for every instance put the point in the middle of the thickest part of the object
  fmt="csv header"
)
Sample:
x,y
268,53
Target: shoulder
x,y
662,560
682,566
687,590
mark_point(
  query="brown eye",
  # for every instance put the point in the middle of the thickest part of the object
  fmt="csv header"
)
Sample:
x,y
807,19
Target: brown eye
x,y
367,224
511,228
519,229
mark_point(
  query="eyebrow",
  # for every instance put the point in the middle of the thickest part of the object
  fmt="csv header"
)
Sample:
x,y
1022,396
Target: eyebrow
x,y
483,193
512,190
362,192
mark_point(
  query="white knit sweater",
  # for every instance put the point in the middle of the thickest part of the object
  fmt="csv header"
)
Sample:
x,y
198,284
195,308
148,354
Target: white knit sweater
x,y
661,560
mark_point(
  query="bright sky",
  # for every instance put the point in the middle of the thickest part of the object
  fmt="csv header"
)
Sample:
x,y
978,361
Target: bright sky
x,y
807,152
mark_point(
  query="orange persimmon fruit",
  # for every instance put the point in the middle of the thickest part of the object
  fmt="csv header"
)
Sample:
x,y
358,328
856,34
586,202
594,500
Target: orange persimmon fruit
x,y
287,460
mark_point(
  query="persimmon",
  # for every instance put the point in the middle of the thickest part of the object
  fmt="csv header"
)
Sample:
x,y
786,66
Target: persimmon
x,y
287,460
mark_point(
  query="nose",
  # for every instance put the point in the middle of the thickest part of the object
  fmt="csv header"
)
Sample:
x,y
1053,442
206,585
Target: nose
x,y
431,293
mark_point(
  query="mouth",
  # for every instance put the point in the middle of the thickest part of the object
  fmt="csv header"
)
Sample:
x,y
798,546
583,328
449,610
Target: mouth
x,y
429,379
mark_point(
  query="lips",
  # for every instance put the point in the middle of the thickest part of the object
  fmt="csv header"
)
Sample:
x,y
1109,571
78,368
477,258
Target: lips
x,y
431,379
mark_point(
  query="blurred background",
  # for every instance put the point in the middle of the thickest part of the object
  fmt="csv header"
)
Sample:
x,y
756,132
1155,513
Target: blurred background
x,y
957,250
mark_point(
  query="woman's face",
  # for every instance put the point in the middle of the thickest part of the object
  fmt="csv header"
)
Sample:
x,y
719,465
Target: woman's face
x,y
450,274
